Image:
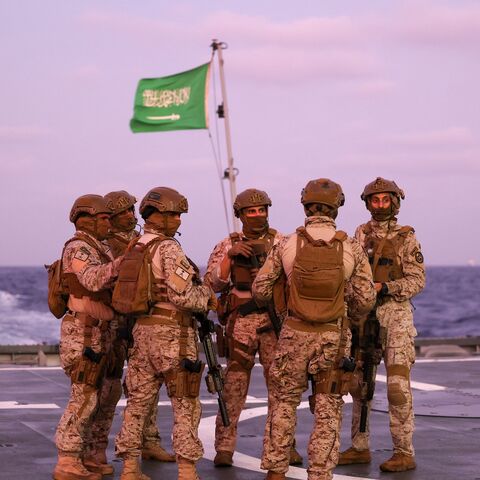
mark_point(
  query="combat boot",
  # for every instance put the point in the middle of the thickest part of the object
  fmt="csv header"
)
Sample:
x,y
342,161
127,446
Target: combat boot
x,y
275,476
186,469
399,463
353,456
223,459
131,470
156,452
72,468
96,461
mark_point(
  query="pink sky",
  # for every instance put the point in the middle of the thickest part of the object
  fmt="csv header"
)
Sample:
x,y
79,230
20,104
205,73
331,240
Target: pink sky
x,y
347,90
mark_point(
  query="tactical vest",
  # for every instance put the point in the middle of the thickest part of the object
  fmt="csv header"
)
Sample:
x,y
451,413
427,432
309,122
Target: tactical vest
x,y
118,244
242,266
137,290
317,284
383,254
73,285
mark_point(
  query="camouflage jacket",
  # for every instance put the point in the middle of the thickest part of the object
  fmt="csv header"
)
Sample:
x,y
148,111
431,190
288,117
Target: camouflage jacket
x,y
410,257
170,265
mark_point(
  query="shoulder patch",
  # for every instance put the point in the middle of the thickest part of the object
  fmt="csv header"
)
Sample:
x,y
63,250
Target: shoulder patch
x,y
182,274
82,254
419,257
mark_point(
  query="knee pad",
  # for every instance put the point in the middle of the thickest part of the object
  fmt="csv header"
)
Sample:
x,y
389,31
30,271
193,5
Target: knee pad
x,y
395,394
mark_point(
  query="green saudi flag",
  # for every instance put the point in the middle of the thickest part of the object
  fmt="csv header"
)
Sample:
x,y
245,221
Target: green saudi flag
x,y
176,102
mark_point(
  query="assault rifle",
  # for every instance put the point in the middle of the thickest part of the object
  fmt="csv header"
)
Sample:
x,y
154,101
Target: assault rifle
x,y
368,344
214,378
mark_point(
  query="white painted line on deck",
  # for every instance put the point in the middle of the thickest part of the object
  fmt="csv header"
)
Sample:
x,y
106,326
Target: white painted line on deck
x,y
207,427
16,406
204,401
428,387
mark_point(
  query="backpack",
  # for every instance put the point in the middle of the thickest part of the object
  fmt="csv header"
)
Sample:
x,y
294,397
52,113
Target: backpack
x,y
57,291
136,290
316,291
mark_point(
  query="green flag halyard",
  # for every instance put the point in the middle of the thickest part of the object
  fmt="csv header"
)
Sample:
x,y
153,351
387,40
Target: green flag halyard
x,y
176,102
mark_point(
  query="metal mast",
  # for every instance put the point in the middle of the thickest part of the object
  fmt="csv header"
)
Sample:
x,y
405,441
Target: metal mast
x,y
230,172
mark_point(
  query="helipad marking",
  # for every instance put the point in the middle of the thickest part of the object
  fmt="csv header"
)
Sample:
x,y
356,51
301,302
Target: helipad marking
x,y
207,426
16,406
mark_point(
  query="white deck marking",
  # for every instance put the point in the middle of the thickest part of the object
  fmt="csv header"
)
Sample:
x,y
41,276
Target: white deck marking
x,y
16,406
206,432
204,401
428,387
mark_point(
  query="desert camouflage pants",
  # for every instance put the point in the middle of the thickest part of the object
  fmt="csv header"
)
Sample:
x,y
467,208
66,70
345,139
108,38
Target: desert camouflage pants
x,y
155,353
298,354
398,319
110,391
74,426
246,343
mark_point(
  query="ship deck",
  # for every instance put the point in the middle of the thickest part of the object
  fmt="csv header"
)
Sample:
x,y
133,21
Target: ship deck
x,y
447,407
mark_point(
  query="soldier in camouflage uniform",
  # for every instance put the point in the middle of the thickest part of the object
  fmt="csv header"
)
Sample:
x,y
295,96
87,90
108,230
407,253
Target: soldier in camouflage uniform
x,y
122,231
399,274
165,341
315,337
88,272
248,326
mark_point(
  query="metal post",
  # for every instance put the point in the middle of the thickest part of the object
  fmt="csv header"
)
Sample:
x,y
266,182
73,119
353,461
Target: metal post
x,y
230,172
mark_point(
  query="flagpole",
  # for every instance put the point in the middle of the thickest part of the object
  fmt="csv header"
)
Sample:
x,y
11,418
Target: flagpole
x,y
231,172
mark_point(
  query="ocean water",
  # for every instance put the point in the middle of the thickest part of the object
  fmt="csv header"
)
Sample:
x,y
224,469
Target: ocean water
x,y
448,307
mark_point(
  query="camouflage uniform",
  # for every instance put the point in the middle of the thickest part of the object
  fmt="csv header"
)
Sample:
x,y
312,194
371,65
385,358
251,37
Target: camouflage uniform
x,y
245,342
395,314
302,351
95,275
155,356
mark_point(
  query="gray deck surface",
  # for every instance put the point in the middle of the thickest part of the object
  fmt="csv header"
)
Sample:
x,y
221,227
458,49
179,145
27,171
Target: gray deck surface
x,y
447,434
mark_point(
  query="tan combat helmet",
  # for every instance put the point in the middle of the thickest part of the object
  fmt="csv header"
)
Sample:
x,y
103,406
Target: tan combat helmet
x,y
91,204
164,199
120,201
250,198
324,191
381,185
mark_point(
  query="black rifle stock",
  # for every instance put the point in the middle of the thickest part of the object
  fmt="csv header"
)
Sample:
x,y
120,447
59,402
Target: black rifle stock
x,y
369,343
214,378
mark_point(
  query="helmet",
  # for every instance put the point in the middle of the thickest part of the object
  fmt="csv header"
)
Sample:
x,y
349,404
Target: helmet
x,y
380,185
325,191
120,201
90,204
164,199
250,198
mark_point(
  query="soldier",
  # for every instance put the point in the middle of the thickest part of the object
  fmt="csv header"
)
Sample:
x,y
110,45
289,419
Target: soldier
x,y
165,343
88,271
249,327
122,231
399,275
326,272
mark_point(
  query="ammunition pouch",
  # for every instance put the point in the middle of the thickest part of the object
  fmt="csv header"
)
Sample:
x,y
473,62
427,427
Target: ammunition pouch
x,y
183,383
334,381
228,304
89,370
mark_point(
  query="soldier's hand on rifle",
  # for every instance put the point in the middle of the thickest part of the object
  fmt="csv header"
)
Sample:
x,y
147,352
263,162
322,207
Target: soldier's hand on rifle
x,y
241,248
